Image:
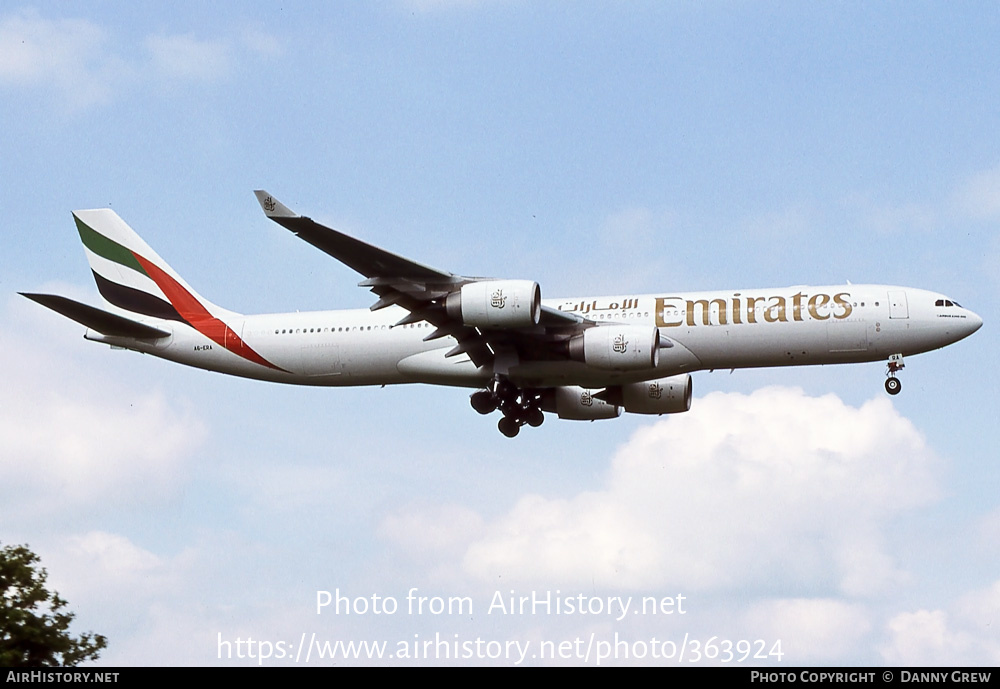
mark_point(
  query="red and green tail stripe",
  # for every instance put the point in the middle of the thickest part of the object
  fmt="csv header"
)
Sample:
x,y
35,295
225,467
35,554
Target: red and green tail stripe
x,y
179,305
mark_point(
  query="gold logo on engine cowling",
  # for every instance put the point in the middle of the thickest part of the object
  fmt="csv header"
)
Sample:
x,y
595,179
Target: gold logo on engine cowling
x,y
655,391
586,398
498,300
620,344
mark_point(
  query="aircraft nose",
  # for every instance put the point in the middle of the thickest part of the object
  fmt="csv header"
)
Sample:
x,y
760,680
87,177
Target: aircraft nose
x,y
975,322
967,325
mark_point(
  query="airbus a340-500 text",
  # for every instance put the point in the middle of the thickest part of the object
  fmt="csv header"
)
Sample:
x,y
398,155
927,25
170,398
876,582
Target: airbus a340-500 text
x,y
585,359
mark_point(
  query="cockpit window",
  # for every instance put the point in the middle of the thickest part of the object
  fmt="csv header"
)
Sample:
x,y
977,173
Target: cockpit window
x,y
947,302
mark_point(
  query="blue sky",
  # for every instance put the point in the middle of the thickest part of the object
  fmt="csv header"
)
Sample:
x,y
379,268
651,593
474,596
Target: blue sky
x,y
593,147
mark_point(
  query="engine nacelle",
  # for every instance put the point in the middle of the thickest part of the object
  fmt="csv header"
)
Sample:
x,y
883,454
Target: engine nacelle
x,y
617,347
497,304
663,396
572,402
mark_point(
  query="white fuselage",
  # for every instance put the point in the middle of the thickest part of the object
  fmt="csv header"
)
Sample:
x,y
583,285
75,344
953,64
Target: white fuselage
x,y
788,326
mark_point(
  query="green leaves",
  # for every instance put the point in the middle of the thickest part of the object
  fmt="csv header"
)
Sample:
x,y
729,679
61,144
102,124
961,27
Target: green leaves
x,y
34,622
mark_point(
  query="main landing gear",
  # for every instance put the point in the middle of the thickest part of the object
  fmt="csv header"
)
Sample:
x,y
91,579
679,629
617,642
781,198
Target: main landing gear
x,y
892,384
519,407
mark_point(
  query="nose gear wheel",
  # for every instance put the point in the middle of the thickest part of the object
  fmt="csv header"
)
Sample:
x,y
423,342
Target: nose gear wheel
x,y
892,383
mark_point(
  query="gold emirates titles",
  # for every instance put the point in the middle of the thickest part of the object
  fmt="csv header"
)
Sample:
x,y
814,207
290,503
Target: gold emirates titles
x,y
775,309
672,312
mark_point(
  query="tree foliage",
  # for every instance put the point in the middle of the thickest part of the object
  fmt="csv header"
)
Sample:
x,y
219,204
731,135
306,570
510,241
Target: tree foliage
x,y
34,622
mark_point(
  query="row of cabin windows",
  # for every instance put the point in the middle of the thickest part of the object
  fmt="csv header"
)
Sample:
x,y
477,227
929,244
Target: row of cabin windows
x,y
612,317
294,331
344,329
760,308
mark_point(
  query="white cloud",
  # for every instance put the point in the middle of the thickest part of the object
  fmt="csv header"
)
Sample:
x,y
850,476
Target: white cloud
x,y
431,529
98,568
69,436
113,553
966,634
72,57
812,630
769,489
981,610
68,54
115,587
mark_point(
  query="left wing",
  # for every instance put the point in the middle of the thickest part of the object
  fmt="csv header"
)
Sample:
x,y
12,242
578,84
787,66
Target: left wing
x,y
429,294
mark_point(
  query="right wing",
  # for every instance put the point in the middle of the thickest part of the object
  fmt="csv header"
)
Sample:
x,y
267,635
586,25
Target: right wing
x,y
423,291
368,260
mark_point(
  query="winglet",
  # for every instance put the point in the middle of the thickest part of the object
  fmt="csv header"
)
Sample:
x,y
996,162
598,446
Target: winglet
x,y
273,208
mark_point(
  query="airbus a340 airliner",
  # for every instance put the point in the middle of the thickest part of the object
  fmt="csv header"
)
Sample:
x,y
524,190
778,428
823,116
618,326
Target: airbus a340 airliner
x,y
589,358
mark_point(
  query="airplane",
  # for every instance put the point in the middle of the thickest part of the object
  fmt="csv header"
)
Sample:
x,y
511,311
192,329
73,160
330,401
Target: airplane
x,y
581,358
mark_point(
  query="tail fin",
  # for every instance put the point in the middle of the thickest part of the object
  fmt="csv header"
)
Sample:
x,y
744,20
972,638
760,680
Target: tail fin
x,y
131,276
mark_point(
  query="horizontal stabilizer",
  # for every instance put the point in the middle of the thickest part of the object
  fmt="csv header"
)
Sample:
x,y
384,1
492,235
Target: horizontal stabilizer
x,y
102,321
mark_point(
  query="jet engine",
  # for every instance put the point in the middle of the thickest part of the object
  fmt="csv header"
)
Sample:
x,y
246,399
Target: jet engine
x,y
663,396
617,347
497,304
572,402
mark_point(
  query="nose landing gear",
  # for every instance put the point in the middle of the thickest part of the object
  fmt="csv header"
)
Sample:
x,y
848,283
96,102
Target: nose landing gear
x,y
892,384
519,407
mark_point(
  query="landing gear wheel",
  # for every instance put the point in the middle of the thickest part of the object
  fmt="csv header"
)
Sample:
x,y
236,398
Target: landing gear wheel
x,y
534,417
509,426
484,402
893,386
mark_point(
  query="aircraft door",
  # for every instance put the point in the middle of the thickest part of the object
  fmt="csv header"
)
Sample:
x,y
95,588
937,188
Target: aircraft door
x,y
898,307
